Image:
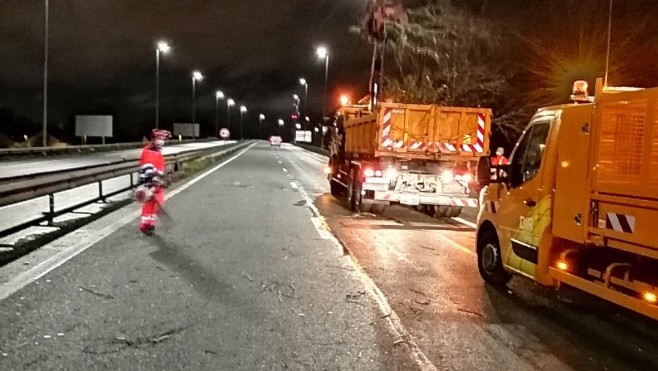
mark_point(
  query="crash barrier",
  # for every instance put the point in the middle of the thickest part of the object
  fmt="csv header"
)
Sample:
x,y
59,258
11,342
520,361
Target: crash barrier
x,y
314,149
18,153
12,192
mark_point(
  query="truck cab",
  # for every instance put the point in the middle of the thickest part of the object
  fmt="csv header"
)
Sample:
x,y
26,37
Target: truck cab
x,y
578,201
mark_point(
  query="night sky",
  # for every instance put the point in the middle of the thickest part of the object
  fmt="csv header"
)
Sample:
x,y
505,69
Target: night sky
x,y
103,53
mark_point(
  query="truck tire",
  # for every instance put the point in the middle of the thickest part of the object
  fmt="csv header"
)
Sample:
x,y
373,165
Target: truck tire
x,y
353,193
378,209
440,211
336,189
430,210
453,211
490,263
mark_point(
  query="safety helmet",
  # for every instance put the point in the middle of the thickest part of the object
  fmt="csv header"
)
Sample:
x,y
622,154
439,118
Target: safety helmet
x,y
159,137
500,151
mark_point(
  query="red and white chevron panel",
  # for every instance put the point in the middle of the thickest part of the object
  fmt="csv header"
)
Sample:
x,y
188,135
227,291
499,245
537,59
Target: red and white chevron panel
x,y
479,144
620,222
417,146
447,147
386,130
464,202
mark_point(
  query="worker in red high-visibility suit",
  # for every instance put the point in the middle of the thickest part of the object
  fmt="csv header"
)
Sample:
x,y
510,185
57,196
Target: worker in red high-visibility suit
x,y
151,175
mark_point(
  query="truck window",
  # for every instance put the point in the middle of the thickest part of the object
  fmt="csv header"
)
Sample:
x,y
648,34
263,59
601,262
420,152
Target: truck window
x,y
527,159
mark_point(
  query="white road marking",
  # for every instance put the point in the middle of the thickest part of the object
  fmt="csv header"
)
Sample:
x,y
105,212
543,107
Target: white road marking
x,y
294,185
391,318
465,222
285,170
280,162
86,238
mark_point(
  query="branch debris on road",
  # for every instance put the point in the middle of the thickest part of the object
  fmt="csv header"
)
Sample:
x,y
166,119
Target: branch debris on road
x,y
247,276
104,296
119,343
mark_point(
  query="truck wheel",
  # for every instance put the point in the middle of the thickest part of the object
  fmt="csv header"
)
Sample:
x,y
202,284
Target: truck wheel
x,y
378,209
366,208
453,211
430,210
336,189
490,263
440,211
353,193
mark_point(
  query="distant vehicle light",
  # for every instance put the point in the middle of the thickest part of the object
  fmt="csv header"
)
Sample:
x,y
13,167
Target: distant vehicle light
x,y
563,266
447,176
650,297
368,172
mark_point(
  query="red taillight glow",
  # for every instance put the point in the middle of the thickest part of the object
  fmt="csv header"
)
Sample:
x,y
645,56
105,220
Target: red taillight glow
x,y
368,172
467,178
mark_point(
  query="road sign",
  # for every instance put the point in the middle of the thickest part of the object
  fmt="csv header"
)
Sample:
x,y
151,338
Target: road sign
x,y
224,133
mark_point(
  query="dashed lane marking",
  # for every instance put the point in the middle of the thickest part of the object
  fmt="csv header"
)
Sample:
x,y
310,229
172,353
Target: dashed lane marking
x,y
392,319
285,170
465,222
294,185
86,238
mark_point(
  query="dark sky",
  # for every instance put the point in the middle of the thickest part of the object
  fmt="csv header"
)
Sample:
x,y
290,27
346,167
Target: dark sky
x,y
102,52
103,59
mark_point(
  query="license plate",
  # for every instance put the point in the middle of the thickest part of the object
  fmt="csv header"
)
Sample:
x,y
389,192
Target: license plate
x,y
411,200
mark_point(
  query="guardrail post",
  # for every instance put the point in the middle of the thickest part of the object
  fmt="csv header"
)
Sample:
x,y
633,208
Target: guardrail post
x,y
51,209
100,191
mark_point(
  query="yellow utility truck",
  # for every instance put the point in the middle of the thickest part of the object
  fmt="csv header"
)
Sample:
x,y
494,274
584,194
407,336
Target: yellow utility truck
x,y
578,202
417,155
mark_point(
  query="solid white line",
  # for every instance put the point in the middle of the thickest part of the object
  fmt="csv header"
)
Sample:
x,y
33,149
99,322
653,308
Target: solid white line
x,y
392,319
89,240
465,222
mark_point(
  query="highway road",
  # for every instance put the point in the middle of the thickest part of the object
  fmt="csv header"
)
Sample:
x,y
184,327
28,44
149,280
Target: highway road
x,y
12,169
252,274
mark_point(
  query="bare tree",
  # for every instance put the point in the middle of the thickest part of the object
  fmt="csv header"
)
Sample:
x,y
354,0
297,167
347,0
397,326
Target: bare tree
x,y
443,55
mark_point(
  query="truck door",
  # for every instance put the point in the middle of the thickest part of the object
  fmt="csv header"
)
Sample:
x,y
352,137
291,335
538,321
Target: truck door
x,y
522,213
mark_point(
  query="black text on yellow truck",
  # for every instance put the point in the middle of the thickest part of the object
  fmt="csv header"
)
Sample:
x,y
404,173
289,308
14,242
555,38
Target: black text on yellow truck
x,y
578,202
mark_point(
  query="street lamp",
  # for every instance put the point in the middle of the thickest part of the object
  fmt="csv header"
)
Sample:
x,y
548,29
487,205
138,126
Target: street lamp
x,y
162,48
304,83
323,53
218,95
229,103
196,76
243,110
44,132
261,118
281,124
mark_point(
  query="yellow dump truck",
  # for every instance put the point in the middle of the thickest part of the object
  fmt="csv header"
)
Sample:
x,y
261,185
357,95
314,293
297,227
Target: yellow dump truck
x,y
417,155
578,202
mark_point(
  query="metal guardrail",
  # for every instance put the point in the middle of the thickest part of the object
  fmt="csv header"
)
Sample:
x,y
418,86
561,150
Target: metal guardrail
x,y
50,184
314,149
22,190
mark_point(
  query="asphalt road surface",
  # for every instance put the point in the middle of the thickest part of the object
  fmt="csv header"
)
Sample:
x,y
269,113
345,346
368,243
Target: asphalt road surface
x,y
11,169
251,274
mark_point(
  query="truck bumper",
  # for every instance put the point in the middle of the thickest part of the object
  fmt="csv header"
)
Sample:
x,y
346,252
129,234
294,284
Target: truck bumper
x,y
415,199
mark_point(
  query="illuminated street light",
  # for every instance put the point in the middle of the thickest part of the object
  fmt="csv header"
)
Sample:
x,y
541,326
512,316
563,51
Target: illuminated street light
x,y
162,48
295,97
196,76
298,126
261,118
218,95
229,103
281,122
344,100
323,53
243,110
304,83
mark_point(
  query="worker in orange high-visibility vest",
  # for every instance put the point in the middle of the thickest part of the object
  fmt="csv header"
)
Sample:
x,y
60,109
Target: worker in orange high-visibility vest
x,y
151,176
500,158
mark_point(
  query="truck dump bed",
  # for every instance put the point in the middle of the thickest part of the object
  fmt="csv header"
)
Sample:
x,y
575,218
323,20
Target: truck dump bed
x,y
419,131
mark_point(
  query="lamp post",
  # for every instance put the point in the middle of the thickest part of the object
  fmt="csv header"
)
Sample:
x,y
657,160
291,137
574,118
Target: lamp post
x,y
44,132
304,83
218,95
229,103
162,48
243,110
261,118
196,76
281,124
323,52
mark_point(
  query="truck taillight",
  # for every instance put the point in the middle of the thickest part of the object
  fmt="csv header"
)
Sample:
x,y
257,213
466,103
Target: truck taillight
x,y
378,173
368,172
328,170
650,297
563,266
